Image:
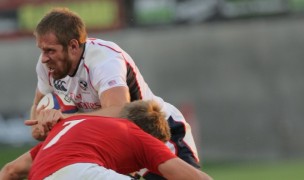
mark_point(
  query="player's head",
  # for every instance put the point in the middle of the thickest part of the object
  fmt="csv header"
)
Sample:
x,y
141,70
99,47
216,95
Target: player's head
x,y
61,36
64,24
148,116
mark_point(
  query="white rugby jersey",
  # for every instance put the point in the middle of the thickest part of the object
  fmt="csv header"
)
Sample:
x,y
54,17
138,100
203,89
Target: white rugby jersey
x,y
104,65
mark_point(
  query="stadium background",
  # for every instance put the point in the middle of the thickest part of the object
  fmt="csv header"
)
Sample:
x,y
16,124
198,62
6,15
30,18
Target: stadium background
x,y
234,67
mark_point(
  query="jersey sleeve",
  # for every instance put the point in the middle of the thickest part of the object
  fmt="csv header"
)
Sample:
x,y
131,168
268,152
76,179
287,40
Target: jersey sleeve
x,y
110,73
34,151
150,152
43,78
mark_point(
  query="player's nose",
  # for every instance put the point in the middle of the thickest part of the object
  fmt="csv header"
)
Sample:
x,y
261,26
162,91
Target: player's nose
x,y
44,58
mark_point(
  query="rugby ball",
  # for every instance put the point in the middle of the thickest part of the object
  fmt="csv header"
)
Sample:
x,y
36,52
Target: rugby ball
x,y
59,102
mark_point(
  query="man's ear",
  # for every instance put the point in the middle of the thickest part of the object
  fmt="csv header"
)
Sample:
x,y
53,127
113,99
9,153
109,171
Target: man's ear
x,y
74,45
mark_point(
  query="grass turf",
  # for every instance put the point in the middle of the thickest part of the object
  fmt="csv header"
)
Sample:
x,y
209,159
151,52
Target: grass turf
x,y
276,170
8,153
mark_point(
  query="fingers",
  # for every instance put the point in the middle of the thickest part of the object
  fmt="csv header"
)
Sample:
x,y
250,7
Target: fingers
x,y
57,116
46,119
30,122
51,117
37,134
40,109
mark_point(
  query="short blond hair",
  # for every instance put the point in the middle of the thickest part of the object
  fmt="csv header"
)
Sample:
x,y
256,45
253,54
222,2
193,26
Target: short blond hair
x,y
148,116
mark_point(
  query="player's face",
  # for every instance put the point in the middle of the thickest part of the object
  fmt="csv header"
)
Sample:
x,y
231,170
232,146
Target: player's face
x,y
54,56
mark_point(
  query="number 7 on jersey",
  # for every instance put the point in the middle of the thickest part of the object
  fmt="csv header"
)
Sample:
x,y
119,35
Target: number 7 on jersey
x,y
69,124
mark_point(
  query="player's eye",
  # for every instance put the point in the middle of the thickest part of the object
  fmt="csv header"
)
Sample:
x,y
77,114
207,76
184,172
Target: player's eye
x,y
48,51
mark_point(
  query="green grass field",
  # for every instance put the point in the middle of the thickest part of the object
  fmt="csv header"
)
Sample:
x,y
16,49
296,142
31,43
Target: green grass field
x,y
9,153
279,170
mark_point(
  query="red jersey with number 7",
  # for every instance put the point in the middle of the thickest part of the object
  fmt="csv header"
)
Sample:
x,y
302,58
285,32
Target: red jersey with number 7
x,y
114,143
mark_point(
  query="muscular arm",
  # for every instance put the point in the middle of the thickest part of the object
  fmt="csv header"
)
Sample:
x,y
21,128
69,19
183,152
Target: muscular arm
x,y
17,169
37,98
177,169
112,101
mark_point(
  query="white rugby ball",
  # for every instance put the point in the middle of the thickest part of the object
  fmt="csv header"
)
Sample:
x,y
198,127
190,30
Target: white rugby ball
x,y
59,102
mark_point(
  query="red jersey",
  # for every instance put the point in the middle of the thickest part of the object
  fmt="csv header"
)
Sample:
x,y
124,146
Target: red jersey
x,y
113,143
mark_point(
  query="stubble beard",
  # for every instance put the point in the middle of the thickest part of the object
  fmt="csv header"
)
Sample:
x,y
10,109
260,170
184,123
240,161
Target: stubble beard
x,y
66,69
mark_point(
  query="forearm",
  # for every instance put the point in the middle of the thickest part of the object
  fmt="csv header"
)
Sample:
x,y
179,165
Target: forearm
x,y
112,111
177,169
36,134
8,173
18,168
33,111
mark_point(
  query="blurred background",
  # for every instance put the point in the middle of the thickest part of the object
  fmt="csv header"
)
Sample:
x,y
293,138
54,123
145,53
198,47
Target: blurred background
x,y
233,67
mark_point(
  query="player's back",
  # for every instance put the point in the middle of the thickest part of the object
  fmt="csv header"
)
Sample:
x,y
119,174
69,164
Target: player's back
x,y
86,139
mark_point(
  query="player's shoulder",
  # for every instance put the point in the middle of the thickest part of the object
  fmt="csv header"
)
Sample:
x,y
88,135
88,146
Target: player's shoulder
x,y
102,45
98,51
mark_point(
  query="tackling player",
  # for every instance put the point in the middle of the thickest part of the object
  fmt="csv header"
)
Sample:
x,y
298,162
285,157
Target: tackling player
x,y
91,147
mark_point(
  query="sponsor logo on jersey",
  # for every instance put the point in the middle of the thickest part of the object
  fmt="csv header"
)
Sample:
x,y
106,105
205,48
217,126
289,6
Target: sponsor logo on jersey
x,y
59,84
83,84
88,105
